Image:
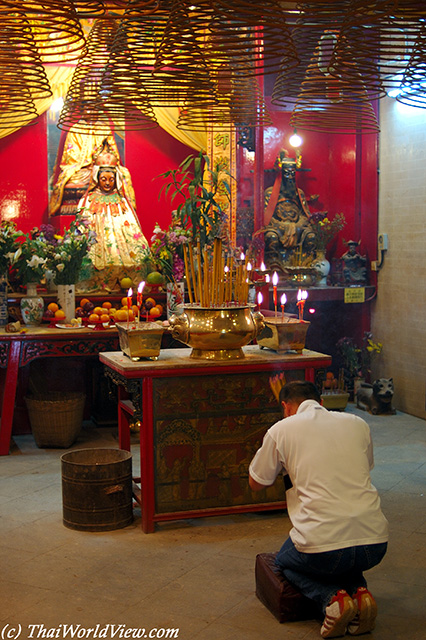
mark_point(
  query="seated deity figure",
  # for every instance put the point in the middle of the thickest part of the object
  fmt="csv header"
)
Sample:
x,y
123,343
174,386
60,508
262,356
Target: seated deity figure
x,y
73,169
109,208
287,217
354,265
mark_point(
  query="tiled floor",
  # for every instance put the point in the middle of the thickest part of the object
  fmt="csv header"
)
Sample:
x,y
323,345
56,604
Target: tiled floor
x,y
196,576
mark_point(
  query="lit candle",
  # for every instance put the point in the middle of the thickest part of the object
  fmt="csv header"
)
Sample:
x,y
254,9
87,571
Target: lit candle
x,y
259,298
129,305
301,299
267,278
262,266
283,301
140,299
274,284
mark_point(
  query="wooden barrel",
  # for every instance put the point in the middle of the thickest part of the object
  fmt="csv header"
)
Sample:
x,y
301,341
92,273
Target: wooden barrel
x,y
97,489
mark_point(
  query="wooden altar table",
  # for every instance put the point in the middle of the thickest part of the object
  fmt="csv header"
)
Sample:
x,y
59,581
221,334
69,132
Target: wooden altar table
x,y
201,423
18,349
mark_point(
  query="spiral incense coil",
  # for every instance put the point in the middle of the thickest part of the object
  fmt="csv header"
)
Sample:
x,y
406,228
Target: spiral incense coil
x,y
122,88
413,84
250,36
18,107
20,64
316,22
83,106
327,103
89,8
375,39
57,31
241,105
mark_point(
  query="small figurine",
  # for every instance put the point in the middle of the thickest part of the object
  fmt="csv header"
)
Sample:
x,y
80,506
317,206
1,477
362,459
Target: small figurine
x,y
376,397
354,265
330,381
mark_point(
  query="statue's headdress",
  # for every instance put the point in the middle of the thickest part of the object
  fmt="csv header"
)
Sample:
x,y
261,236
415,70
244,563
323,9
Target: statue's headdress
x,y
105,159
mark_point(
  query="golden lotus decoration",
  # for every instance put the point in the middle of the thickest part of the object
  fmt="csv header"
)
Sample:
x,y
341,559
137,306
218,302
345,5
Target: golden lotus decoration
x,y
217,333
283,334
140,340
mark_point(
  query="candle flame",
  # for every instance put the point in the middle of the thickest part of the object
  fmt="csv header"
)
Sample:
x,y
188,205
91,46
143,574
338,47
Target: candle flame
x,y
226,269
242,256
267,278
283,299
262,267
259,298
141,286
249,267
130,293
275,279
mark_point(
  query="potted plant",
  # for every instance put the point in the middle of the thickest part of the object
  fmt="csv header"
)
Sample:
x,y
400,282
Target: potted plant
x,y
29,260
8,235
198,187
325,230
357,360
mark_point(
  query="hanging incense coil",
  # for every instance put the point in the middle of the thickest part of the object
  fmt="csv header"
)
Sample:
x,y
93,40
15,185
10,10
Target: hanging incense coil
x,y
250,36
89,8
383,34
330,104
122,88
241,105
20,64
83,106
57,31
316,21
141,33
413,84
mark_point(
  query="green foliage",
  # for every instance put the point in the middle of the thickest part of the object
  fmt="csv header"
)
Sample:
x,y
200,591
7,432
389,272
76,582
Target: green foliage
x,y
197,187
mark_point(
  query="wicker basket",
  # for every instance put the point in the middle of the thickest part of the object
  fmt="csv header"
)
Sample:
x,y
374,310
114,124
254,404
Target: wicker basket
x,y
56,418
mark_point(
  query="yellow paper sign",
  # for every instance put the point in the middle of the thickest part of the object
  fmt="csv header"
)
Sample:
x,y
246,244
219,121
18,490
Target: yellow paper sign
x,y
354,294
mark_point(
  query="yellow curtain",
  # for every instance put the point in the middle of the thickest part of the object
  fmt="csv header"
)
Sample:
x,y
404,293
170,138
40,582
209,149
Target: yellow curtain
x,y
167,118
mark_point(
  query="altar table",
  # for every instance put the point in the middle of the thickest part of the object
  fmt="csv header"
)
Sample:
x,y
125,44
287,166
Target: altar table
x,y
18,349
201,423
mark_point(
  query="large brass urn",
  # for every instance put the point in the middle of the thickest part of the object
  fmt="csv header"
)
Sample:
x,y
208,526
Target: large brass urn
x,y
217,333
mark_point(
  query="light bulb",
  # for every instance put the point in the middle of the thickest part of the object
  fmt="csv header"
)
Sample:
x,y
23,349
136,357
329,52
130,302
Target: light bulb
x,y
295,140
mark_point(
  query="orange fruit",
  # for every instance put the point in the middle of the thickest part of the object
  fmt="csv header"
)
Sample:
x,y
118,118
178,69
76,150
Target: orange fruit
x,y
59,314
160,306
151,300
98,310
93,317
83,301
121,315
112,311
135,309
155,312
105,317
106,304
53,307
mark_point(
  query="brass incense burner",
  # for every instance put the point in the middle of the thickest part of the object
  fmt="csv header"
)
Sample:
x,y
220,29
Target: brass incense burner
x,y
217,333
283,334
141,340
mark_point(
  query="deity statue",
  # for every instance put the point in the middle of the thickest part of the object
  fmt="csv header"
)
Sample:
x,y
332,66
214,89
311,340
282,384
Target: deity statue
x,y
354,265
108,205
73,169
287,217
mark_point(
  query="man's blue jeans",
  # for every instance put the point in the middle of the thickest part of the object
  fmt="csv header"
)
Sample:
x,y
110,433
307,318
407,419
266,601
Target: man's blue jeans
x,y
320,575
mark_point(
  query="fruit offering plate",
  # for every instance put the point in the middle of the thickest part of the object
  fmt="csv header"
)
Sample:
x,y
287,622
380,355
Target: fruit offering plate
x,y
97,325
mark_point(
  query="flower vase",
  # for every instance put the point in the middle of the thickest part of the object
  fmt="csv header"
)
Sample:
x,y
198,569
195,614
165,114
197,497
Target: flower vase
x,y
66,300
32,306
4,312
322,267
175,298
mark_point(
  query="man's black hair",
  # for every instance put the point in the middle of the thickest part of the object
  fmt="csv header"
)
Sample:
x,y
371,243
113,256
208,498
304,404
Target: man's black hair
x,y
298,391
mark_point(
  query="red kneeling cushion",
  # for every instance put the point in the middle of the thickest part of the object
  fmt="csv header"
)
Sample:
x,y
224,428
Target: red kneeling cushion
x,y
278,595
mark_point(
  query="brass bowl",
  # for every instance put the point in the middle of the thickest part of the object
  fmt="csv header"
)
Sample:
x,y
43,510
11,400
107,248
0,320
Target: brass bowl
x,y
216,333
140,341
283,335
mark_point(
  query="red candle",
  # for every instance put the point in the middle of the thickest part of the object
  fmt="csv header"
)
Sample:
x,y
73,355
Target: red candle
x,y
259,298
283,301
274,284
129,305
139,299
301,297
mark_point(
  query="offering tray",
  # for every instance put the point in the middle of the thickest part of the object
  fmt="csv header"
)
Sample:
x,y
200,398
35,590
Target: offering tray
x,y
283,334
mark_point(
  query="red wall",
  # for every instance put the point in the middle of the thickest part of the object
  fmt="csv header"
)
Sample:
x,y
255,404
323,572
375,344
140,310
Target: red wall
x,y
23,171
149,153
